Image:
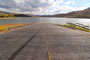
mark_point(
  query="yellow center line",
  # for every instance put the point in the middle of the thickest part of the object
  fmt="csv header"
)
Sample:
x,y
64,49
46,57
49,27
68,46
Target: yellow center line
x,y
47,44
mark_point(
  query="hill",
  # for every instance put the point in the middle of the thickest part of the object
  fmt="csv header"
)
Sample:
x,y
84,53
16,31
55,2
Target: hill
x,y
6,15
2,12
75,14
79,14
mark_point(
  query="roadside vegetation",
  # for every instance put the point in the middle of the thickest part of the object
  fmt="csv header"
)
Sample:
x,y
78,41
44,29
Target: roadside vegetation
x,y
7,27
76,27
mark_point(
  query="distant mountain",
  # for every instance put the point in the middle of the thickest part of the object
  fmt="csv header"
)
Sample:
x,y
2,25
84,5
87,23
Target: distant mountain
x,y
2,12
75,14
22,15
7,14
79,14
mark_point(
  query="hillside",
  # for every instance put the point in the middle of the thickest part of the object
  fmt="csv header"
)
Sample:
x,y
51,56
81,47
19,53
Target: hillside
x,y
6,15
2,12
75,14
79,14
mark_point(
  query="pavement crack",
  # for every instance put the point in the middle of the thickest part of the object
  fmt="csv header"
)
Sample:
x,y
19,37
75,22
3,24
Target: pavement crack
x,y
22,47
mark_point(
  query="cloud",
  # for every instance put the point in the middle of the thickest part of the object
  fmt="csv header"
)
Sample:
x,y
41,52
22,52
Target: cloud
x,y
39,7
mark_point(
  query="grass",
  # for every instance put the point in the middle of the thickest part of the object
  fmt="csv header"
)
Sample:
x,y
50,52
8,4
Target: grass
x,y
10,26
76,27
66,25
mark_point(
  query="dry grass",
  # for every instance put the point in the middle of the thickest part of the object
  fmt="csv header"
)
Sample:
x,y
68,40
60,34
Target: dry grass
x,y
10,26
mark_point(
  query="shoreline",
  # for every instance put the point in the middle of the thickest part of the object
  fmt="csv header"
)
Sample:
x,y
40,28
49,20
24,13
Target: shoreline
x,y
74,27
8,18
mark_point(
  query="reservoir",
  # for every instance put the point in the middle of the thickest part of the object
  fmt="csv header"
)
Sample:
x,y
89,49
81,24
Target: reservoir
x,y
45,20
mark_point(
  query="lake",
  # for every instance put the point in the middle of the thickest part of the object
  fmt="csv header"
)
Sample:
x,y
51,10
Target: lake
x,y
46,20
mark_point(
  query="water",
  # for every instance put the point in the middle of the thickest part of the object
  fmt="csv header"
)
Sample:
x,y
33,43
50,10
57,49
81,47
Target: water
x,y
46,20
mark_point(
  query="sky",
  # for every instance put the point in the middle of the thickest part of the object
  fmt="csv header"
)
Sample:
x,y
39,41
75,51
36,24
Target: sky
x,y
43,7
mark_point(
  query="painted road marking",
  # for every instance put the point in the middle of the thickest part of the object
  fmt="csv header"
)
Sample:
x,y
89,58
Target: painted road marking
x,y
47,44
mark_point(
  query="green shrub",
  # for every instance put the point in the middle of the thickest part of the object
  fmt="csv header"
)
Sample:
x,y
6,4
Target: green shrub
x,y
77,27
72,26
80,28
66,25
